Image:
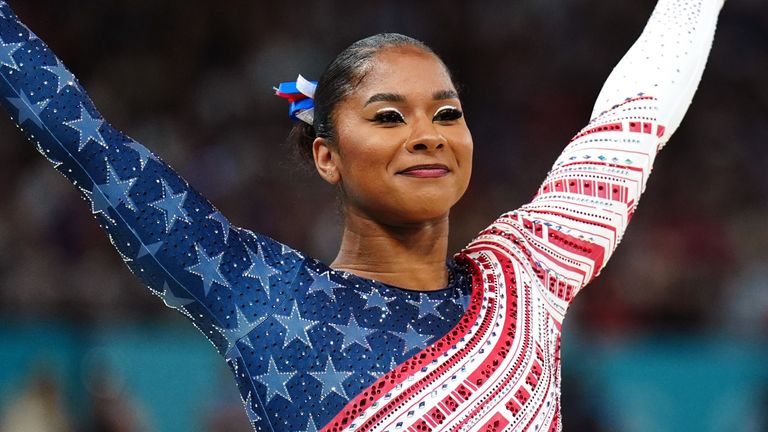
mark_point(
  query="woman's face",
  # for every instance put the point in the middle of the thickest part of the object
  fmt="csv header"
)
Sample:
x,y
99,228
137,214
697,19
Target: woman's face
x,y
403,153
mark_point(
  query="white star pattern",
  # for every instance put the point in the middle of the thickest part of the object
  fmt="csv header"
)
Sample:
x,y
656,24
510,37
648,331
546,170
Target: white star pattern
x,y
275,381
259,268
296,327
353,333
207,268
112,193
412,339
427,306
332,380
88,128
322,282
172,206
375,299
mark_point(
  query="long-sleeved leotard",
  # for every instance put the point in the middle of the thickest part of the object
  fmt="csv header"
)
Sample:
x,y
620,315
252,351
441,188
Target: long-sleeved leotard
x,y
311,347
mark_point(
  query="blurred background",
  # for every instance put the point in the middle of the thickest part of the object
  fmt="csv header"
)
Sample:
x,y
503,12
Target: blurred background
x,y
673,336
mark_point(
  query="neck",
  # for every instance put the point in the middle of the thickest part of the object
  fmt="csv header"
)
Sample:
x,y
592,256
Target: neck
x,y
410,256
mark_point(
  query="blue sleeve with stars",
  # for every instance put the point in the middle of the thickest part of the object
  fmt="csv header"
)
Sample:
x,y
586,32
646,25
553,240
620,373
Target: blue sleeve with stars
x,y
170,236
301,338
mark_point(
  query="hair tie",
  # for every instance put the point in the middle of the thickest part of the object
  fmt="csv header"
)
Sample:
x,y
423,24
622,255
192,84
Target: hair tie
x,y
300,94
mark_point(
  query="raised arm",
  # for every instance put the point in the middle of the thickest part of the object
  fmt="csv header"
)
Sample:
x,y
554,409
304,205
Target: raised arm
x,y
579,214
170,236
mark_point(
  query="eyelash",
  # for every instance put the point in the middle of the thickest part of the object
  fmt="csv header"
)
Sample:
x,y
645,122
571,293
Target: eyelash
x,y
447,113
389,116
444,114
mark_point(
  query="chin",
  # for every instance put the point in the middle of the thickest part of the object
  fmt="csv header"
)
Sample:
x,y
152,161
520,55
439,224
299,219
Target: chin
x,y
418,212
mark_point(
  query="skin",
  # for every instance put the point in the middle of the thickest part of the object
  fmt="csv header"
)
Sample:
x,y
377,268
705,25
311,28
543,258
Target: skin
x,y
405,113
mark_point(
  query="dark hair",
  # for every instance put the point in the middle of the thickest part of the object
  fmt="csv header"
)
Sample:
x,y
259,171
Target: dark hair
x,y
339,80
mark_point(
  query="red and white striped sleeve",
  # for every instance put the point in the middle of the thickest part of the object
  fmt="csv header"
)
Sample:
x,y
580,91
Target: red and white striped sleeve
x,y
579,214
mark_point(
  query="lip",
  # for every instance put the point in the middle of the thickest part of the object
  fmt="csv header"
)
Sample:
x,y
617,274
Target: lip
x,y
426,171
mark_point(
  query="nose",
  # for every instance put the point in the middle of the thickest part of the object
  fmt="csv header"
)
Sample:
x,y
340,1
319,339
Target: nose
x,y
425,136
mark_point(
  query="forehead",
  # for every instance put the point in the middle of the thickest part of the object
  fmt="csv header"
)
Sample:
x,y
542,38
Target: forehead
x,y
408,71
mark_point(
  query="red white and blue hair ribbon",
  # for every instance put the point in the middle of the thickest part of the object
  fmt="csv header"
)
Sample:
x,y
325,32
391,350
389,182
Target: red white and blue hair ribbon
x,y
300,94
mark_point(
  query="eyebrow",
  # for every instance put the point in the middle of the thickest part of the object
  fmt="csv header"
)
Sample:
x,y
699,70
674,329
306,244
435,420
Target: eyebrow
x,y
385,97
445,94
394,97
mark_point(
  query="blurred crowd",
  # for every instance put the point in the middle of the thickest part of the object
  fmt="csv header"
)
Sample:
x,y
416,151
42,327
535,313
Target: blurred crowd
x,y
192,81
42,404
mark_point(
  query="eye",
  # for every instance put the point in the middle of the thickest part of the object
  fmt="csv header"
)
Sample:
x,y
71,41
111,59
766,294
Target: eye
x,y
447,113
389,116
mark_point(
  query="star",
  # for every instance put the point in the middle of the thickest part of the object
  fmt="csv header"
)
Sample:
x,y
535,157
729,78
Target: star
x,y
375,299
88,128
353,333
252,416
259,268
172,206
322,282
332,380
112,193
218,217
208,269
427,306
238,333
6,54
28,110
144,154
275,381
171,300
412,339
296,326
63,76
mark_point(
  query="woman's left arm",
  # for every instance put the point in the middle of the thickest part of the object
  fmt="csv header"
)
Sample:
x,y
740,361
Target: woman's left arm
x,y
579,214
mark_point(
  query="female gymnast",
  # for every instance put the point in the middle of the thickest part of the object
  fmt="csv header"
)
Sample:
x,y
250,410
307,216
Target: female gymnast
x,y
388,336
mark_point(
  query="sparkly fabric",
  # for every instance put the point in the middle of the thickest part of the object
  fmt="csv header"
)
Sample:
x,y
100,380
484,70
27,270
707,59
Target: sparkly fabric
x,y
314,348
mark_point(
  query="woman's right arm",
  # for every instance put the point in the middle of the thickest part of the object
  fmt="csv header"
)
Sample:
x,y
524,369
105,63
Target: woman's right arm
x,y
171,237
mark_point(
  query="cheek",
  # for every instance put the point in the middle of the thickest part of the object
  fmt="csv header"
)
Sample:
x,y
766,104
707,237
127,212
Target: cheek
x,y
363,160
371,152
463,148
365,163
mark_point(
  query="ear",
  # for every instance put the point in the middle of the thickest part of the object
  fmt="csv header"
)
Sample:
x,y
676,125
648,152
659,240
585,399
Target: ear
x,y
326,160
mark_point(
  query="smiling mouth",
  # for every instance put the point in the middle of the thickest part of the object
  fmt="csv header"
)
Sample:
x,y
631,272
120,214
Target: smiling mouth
x,y
426,171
